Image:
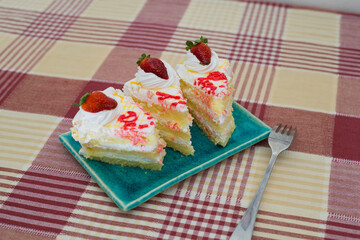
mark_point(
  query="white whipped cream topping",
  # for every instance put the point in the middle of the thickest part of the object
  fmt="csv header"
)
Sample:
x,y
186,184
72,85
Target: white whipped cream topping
x,y
193,64
189,75
136,90
151,81
220,91
99,119
104,125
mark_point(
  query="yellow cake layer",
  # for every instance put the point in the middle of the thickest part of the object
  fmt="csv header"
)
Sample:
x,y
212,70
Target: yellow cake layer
x,y
204,117
218,133
174,119
185,149
216,105
185,136
215,137
149,160
108,142
171,124
178,141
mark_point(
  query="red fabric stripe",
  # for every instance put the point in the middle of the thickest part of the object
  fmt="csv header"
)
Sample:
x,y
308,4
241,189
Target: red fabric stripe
x,y
354,226
40,200
109,231
45,192
286,233
32,217
39,55
343,64
53,185
37,208
18,44
58,32
122,234
29,225
143,26
68,178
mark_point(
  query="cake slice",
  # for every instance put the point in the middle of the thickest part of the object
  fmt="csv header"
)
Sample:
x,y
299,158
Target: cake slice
x,y
206,84
156,88
112,128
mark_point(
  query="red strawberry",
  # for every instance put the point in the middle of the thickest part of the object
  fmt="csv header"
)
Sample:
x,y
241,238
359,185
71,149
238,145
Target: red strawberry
x,y
96,101
153,65
200,49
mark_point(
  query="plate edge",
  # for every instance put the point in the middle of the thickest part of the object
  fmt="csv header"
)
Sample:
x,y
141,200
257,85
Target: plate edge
x,y
79,158
169,183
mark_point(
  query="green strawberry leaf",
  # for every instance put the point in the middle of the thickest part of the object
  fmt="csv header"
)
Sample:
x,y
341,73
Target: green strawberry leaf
x,y
143,56
190,44
82,99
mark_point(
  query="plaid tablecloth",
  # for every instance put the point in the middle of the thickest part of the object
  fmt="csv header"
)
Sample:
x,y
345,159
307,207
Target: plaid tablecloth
x,y
291,65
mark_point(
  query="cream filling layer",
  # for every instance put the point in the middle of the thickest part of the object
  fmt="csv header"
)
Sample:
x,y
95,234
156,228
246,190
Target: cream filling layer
x,y
188,91
104,142
83,151
169,136
223,136
189,75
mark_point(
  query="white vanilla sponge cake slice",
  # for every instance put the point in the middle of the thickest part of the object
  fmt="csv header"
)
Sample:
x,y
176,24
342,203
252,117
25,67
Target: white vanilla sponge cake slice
x,y
112,128
156,88
206,84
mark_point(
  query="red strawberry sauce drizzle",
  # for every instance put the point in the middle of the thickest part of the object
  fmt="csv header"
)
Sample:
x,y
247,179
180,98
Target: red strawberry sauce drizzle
x,y
141,126
207,84
129,119
162,96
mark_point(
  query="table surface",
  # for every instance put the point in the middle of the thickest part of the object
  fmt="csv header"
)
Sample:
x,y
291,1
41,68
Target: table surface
x,y
291,65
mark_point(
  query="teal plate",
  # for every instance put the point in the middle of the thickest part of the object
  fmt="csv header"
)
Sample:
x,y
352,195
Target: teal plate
x,y
129,187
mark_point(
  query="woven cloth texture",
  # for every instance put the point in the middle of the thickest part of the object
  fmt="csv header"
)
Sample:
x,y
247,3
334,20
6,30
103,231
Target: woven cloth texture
x,y
292,65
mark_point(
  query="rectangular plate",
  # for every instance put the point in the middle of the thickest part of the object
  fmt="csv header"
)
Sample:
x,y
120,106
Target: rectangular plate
x,y
129,187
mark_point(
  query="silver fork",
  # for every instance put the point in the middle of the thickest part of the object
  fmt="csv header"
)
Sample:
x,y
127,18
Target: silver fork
x,y
280,139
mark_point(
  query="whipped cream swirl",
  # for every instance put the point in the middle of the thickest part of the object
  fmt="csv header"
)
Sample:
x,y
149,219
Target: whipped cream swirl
x,y
85,121
151,81
193,64
99,118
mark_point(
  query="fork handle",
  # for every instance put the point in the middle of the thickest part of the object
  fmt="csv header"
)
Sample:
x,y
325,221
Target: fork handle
x,y
245,228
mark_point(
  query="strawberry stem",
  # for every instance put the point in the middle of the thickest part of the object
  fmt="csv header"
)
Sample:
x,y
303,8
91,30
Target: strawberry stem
x,y
82,99
190,44
143,56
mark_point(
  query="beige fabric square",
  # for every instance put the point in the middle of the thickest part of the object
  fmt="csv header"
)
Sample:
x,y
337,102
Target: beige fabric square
x,y
304,89
20,56
173,58
72,60
5,40
312,26
252,81
37,5
22,136
114,9
214,15
298,187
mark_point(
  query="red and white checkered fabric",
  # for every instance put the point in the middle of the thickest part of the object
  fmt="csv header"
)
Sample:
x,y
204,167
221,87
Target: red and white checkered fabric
x,y
293,65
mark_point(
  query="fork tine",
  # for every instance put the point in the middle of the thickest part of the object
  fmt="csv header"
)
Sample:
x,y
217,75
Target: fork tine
x,y
282,129
276,127
287,130
292,133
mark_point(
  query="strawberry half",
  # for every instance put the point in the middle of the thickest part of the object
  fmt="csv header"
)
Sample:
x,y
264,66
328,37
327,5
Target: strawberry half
x,y
153,65
96,101
200,49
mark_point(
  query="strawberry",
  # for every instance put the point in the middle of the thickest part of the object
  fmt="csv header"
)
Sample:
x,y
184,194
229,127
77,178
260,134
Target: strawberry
x,y
96,101
153,65
200,49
